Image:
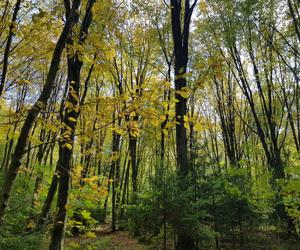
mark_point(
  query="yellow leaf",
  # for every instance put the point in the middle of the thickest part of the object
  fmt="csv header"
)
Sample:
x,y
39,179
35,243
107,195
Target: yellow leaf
x,y
68,145
119,131
68,104
132,113
40,104
198,127
155,122
74,95
30,224
76,109
90,235
94,187
52,127
203,6
186,125
72,119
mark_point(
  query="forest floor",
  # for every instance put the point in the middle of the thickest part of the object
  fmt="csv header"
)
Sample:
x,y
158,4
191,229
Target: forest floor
x,y
105,240
122,240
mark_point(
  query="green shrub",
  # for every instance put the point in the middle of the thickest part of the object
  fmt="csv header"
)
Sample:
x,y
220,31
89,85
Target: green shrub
x,y
168,202
23,242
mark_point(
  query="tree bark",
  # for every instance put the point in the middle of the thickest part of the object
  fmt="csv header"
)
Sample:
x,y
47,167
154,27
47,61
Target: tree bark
x,y
180,41
64,163
43,219
11,34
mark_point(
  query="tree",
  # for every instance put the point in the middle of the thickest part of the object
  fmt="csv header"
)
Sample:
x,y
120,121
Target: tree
x,y
11,34
72,111
181,45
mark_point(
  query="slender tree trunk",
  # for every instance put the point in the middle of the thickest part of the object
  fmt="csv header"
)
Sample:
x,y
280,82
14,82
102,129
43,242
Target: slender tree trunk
x,y
40,173
11,34
115,166
43,219
295,17
122,182
126,180
133,160
108,191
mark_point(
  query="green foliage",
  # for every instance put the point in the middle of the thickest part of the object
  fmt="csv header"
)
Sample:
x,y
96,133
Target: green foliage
x,y
81,222
291,194
20,213
16,233
228,202
146,216
84,208
169,203
218,204
98,213
23,242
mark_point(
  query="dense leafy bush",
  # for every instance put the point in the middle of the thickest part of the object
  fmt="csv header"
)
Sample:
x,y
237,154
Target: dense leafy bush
x,y
23,242
84,206
291,195
229,204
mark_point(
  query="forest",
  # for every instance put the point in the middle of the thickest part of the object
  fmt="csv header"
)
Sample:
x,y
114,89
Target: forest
x,y
159,124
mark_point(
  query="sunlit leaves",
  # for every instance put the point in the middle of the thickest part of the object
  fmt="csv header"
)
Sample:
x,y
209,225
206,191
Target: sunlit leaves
x,y
72,119
68,146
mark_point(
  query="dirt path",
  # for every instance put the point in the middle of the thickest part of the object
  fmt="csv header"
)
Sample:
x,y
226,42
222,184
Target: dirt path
x,y
105,240
119,239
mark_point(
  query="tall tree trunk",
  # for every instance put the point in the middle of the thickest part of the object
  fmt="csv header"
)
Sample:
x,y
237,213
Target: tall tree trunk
x,y
180,41
11,34
115,166
72,113
133,160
